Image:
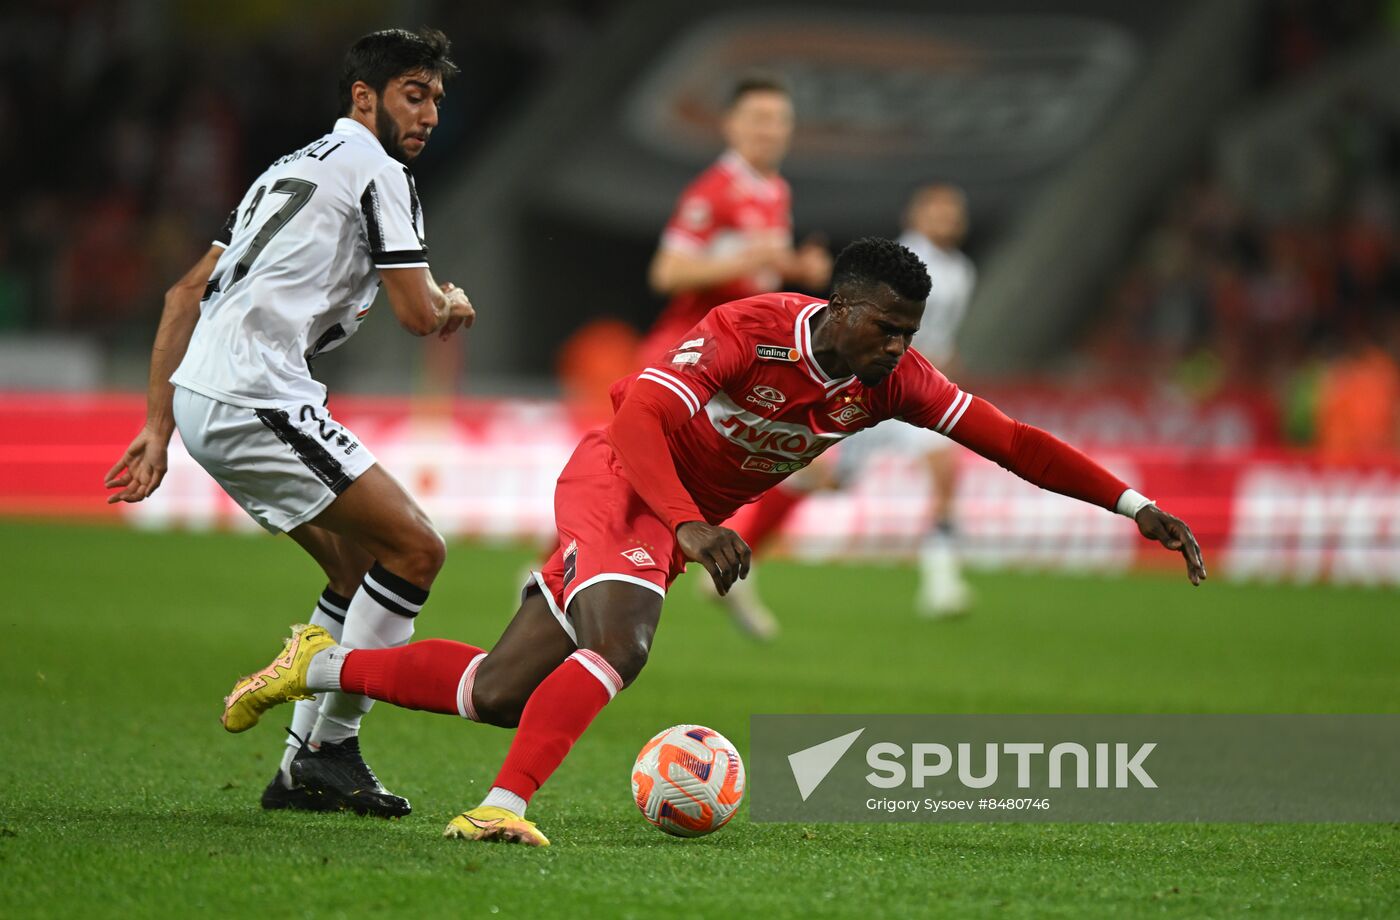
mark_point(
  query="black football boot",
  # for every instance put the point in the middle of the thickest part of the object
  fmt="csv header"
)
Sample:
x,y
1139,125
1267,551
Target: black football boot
x,y
338,773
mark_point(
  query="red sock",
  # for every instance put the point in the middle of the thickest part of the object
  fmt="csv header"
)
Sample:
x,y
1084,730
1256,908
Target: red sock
x,y
759,521
556,714
421,675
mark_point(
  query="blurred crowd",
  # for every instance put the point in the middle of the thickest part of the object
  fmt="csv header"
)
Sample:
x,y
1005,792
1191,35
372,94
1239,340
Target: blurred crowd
x,y
136,125
1285,278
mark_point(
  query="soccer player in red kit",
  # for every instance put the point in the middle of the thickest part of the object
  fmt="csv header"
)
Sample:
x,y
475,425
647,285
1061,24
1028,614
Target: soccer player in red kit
x,y
755,391
730,236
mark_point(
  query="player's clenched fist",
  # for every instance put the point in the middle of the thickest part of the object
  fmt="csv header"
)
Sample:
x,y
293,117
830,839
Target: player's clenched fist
x,y
720,550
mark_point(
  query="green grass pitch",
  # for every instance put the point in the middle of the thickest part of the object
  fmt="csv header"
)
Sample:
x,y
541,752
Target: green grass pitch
x,y
120,795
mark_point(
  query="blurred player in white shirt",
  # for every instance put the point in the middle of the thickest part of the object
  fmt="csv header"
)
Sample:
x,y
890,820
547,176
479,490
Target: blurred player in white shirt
x,y
935,225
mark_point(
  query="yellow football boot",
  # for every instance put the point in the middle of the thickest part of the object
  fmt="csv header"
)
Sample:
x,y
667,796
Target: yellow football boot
x,y
280,682
488,822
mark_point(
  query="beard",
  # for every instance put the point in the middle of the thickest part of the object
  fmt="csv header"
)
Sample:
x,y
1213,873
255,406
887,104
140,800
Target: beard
x,y
389,135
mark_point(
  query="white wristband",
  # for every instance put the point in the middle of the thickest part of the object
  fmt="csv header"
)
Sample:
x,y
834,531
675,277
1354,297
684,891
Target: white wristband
x,y
1131,502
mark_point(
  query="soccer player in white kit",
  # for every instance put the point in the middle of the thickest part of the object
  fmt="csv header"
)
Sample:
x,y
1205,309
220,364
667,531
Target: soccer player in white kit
x,y
292,276
934,228
935,225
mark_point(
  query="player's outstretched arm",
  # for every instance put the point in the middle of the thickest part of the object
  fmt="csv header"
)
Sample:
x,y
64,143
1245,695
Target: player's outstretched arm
x,y
422,306
142,467
1043,459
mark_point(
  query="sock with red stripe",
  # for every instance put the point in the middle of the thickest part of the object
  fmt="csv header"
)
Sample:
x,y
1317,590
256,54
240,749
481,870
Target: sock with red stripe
x,y
555,716
432,675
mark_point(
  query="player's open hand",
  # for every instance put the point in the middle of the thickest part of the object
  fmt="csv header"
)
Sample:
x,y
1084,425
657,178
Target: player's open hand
x,y
1172,532
140,470
720,550
460,312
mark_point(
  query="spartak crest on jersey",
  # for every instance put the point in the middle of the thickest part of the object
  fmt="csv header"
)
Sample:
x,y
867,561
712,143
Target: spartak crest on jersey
x,y
848,412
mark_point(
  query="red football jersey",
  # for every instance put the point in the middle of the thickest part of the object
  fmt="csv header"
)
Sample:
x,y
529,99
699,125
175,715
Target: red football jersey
x,y
725,205
761,407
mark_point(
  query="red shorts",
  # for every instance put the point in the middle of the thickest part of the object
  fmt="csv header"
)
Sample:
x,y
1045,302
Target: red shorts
x,y
606,533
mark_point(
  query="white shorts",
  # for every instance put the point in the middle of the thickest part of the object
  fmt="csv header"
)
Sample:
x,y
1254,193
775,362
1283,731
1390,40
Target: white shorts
x,y
283,466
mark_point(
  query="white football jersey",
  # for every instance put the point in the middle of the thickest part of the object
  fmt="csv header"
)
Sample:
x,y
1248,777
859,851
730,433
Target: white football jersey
x,y
300,268
953,277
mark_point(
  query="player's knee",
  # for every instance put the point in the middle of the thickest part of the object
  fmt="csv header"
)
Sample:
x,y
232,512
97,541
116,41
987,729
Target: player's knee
x,y
434,550
423,556
627,655
497,705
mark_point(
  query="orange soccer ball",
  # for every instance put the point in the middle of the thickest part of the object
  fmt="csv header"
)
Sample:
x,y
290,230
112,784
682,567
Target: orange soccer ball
x,y
688,780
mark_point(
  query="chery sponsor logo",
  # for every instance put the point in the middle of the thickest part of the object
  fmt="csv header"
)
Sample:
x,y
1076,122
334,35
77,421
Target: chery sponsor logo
x,y
766,397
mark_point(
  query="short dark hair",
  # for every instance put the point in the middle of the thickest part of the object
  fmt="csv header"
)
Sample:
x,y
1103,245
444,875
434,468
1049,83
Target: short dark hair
x,y
379,57
873,261
757,83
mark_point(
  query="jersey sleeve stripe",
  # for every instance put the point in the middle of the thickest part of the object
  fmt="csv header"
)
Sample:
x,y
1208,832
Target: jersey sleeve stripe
x,y
952,409
690,401
677,381
369,206
400,258
967,401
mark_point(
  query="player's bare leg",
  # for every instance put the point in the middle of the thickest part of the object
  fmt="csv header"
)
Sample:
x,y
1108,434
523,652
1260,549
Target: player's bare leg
x,y
374,518
942,590
615,622
535,677
435,675
531,647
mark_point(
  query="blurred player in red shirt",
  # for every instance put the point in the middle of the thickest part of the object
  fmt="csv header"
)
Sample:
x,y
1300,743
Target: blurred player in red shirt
x,y
756,391
729,238
731,234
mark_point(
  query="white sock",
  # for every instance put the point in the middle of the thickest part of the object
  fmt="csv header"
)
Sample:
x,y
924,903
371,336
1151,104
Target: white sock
x,y
504,798
329,615
380,616
323,671
938,558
